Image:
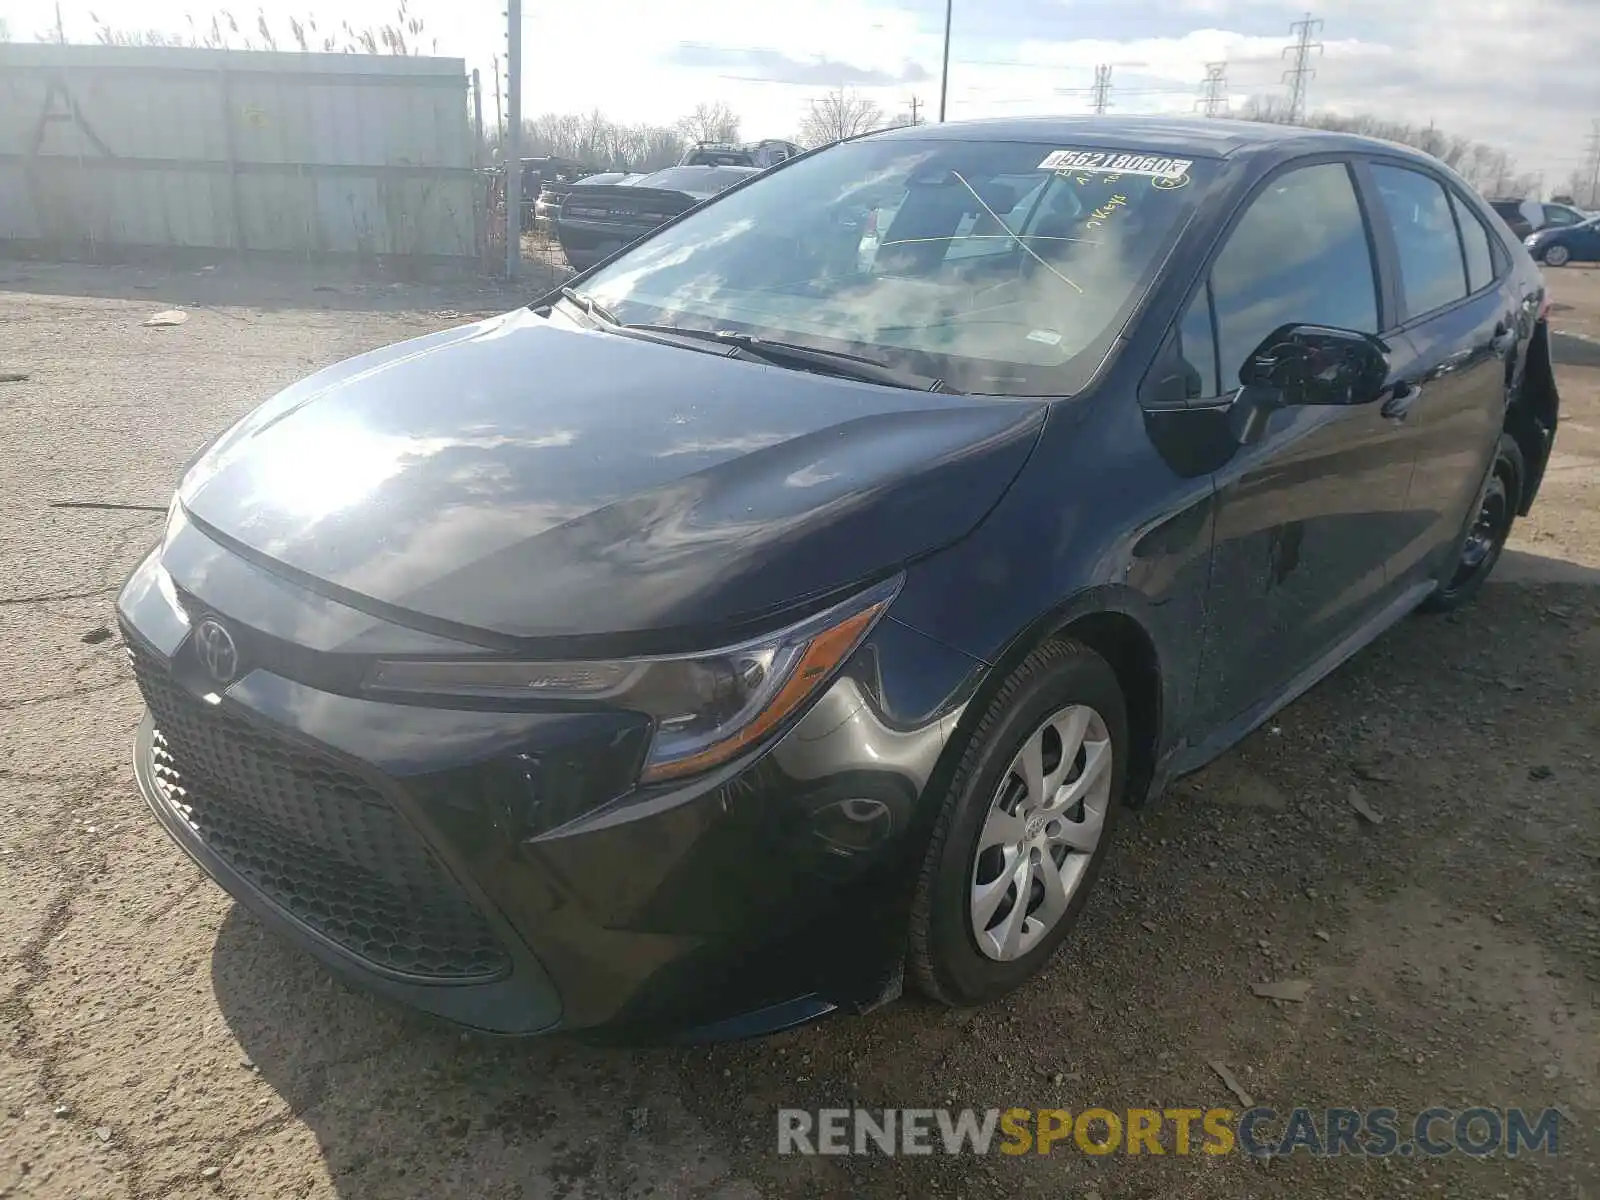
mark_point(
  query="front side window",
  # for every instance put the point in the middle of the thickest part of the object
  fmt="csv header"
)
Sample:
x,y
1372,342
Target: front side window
x,y
1556,214
1299,255
1004,268
1432,267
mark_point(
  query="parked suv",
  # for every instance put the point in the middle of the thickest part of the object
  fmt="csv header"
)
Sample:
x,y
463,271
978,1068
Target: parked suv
x,y
768,153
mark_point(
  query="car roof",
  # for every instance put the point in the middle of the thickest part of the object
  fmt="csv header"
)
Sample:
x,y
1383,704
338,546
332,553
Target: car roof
x,y
1215,137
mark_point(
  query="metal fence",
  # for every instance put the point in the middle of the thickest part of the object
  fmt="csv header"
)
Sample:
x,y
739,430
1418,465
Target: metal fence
x,y
105,149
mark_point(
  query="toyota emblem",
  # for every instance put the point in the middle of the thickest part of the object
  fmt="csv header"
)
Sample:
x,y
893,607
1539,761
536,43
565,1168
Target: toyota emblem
x,y
216,650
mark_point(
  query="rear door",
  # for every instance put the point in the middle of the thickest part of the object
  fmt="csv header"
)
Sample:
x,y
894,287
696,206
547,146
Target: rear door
x,y
1455,340
1308,517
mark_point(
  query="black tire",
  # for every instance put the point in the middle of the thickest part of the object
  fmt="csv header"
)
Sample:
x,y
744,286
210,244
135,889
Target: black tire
x,y
1561,256
945,961
1488,526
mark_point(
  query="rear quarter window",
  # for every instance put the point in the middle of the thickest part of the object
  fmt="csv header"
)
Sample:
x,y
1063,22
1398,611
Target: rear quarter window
x,y
1476,241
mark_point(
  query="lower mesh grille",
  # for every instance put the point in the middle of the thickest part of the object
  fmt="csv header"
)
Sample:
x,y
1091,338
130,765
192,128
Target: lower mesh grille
x,y
314,838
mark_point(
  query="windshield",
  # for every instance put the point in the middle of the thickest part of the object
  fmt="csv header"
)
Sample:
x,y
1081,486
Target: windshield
x,y
1003,268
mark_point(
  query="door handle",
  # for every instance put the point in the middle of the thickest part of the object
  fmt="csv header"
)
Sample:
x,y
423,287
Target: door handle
x,y
1398,406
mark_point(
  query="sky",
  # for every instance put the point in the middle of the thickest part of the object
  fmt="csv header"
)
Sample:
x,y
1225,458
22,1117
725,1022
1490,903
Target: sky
x,y
1522,76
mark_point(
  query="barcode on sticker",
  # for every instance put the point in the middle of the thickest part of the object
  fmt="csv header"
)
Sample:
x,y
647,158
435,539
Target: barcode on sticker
x,y
1106,162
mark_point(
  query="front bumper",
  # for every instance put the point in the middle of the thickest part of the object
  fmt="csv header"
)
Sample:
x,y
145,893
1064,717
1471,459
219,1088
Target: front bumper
x,y
408,849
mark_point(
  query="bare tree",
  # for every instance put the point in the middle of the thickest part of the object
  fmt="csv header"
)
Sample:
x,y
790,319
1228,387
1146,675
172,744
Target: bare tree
x,y
1274,110
714,122
5,31
837,115
594,139
1580,187
1487,168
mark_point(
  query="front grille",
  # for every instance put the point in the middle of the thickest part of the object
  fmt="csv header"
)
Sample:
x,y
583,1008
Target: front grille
x,y
314,838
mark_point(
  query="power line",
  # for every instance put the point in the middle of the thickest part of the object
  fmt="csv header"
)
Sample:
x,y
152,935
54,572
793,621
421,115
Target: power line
x,y
1102,89
1122,91
1301,74
1214,90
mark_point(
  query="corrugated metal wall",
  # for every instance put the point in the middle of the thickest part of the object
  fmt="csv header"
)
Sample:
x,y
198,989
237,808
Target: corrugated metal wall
x,y
108,147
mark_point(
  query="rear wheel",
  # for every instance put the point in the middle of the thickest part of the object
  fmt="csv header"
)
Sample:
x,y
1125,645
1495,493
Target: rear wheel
x,y
1022,832
1486,532
1557,256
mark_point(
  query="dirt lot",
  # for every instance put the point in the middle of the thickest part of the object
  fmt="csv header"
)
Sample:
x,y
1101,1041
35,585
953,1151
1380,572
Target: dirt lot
x,y
156,1042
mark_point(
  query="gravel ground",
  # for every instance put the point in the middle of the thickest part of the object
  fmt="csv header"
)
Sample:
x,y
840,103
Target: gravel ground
x,y
155,1041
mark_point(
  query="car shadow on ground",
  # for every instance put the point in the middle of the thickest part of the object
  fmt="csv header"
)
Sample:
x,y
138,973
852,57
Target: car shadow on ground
x,y
1451,938
1574,349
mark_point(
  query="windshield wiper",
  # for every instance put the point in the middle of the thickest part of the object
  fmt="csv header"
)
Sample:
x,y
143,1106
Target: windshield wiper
x,y
827,362
590,305
748,345
665,335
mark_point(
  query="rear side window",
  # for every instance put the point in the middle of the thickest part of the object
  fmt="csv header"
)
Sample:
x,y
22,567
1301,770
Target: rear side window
x,y
1432,266
1475,241
1299,255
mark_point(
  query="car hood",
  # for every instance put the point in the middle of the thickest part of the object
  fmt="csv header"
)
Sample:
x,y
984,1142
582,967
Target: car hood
x,y
527,479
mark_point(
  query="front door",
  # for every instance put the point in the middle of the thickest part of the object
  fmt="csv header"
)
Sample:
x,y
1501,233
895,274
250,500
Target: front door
x,y
1310,516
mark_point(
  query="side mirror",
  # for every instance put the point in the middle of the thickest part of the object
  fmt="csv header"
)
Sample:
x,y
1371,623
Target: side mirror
x,y
1315,364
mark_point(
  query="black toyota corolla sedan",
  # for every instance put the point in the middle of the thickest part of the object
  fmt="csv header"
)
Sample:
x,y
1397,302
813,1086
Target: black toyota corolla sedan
x,y
783,611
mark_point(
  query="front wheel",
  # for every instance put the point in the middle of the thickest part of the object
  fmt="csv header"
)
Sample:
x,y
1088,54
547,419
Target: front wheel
x,y
1022,832
1486,533
1557,256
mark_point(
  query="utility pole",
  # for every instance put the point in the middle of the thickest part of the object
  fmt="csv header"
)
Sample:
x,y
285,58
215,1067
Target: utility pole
x,y
1213,100
915,104
1102,89
61,30
513,154
944,74
477,116
1301,74
1594,164
499,116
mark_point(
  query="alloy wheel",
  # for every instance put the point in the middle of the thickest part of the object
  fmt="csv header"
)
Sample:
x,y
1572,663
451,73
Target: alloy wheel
x,y
1557,256
1044,823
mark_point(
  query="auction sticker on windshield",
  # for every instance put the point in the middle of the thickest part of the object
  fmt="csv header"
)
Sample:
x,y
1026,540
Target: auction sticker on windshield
x,y
1107,162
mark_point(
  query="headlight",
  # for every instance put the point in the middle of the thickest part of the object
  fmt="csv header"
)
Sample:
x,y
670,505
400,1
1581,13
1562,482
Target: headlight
x,y
707,707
